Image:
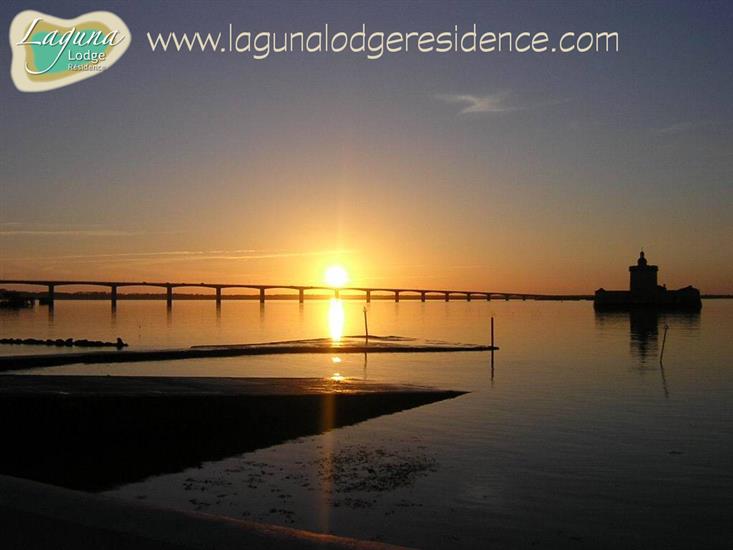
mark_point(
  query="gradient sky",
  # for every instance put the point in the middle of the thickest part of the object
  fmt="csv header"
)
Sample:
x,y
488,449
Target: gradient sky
x,y
202,167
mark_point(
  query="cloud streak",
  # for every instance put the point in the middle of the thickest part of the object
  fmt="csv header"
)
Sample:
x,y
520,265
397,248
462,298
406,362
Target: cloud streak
x,y
683,127
187,255
12,229
68,233
492,103
496,103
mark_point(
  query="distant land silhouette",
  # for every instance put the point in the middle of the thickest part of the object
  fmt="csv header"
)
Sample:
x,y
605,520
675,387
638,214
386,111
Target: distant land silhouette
x,y
11,298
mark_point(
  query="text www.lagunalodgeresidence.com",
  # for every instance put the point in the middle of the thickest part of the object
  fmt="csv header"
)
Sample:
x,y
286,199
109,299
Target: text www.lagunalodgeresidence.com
x,y
378,44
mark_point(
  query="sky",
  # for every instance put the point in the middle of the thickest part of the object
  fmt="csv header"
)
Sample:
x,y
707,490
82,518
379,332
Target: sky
x,y
501,172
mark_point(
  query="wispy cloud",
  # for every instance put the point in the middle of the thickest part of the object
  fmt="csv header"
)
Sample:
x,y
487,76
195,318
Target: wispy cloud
x,y
689,126
492,103
187,255
10,229
68,233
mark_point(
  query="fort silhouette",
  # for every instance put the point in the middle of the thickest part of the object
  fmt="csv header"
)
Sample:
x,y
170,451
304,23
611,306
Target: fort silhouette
x,y
645,292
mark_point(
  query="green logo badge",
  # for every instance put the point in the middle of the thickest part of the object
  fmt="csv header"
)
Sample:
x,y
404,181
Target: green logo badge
x,y
49,52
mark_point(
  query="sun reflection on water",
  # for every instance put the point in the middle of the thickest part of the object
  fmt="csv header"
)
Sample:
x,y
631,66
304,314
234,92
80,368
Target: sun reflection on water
x,y
336,319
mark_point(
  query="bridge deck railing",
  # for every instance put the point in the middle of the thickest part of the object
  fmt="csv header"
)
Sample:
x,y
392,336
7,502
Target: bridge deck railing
x,y
423,294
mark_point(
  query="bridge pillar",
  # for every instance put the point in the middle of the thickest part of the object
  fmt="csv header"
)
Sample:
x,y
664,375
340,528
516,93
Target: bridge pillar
x,y
113,295
506,297
169,295
396,296
488,297
301,295
262,295
422,296
51,294
468,296
368,296
336,293
218,296
447,296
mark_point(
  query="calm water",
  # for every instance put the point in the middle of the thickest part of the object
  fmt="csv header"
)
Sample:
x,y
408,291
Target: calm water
x,y
578,438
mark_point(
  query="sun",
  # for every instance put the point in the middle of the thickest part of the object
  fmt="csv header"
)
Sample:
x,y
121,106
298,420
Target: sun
x,y
336,276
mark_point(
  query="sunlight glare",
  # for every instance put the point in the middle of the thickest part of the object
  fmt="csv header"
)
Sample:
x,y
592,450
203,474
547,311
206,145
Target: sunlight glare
x,y
336,319
336,276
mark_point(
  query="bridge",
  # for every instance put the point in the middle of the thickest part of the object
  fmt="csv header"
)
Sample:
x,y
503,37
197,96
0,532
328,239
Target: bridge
x,y
424,294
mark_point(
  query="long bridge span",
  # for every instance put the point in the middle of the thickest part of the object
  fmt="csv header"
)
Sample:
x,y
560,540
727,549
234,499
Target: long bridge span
x,y
423,294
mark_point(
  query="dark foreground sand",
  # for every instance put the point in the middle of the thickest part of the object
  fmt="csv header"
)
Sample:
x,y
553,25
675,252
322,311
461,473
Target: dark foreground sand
x,y
38,516
98,432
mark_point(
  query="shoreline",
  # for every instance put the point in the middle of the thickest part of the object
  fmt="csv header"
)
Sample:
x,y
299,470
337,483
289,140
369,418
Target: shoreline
x,y
375,344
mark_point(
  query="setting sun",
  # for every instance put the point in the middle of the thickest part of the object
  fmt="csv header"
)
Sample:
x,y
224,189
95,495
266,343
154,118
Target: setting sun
x,y
336,276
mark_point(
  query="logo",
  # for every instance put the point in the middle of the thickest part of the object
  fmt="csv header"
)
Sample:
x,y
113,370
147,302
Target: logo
x,y
49,52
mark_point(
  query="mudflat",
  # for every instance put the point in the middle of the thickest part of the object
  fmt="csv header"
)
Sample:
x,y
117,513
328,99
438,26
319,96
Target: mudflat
x,y
99,432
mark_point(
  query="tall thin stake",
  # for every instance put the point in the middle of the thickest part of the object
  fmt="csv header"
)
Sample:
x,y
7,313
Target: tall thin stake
x,y
366,325
664,341
492,351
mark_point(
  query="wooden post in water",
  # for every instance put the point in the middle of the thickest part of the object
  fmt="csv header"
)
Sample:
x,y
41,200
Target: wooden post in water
x,y
366,325
51,296
492,351
664,341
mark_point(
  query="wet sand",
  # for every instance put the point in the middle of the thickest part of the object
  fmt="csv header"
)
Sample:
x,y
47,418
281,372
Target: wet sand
x,y
99,432
352,344
138,386
34,515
